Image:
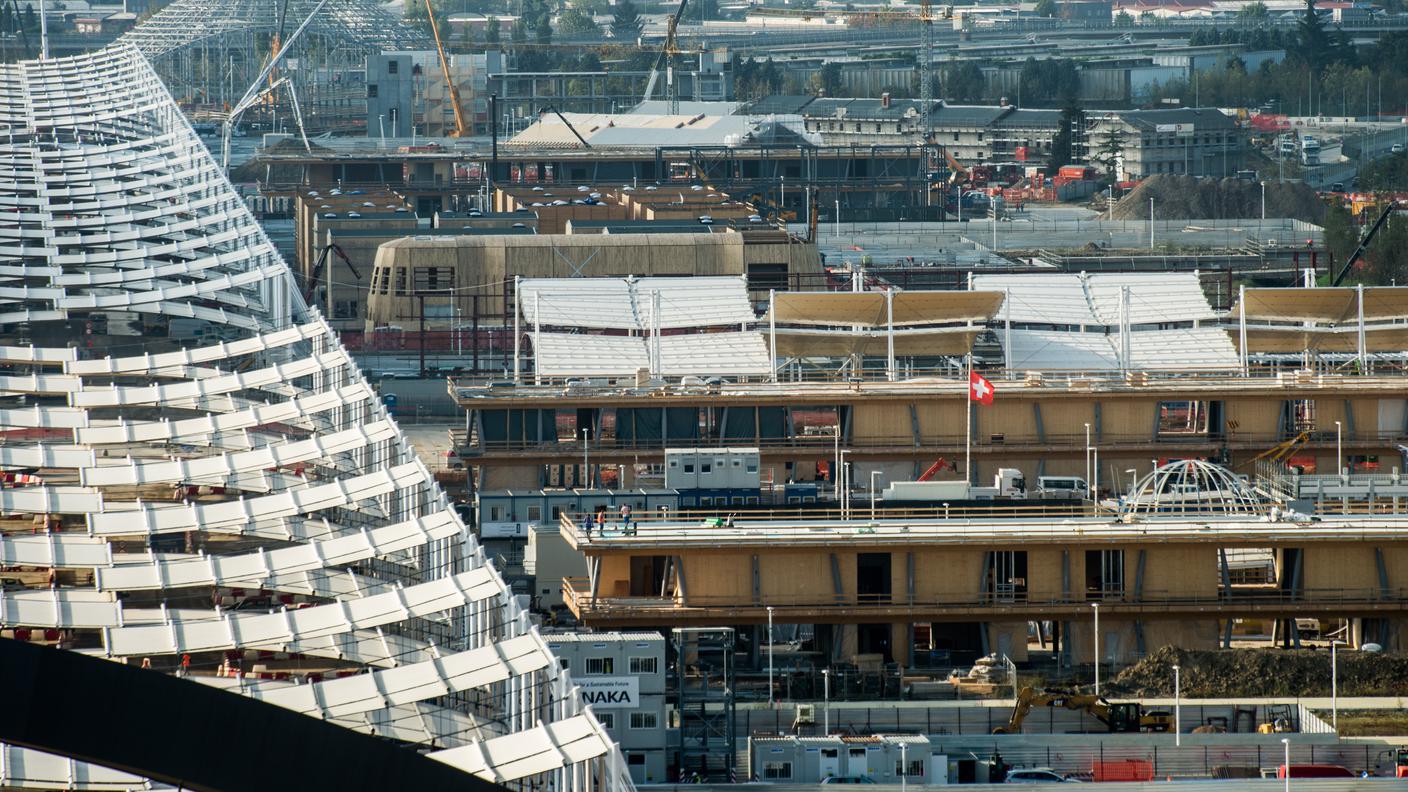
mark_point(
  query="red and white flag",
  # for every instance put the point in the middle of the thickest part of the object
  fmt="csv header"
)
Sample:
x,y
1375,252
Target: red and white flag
x,y
979,389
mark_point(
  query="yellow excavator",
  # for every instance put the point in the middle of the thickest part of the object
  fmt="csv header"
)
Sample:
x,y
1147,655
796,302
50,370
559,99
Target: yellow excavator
x,y
1281,451
1123,716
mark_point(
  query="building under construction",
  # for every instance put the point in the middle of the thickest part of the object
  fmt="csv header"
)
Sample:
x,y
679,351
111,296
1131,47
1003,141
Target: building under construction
x,y
209,52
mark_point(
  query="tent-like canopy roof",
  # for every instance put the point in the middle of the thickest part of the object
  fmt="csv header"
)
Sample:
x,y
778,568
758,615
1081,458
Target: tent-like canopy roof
x,y
916,343
868,308
1334,306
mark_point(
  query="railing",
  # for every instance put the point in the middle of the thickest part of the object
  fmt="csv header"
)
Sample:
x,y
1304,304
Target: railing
x,y
1385,373
931,443
577,592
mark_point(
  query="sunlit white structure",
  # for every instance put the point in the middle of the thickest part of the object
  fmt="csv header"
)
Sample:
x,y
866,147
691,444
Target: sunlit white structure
x,y
197,477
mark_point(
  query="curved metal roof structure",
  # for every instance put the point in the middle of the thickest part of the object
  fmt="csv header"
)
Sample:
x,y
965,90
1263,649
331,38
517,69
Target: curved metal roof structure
x,y
1190,487
350,23
198,479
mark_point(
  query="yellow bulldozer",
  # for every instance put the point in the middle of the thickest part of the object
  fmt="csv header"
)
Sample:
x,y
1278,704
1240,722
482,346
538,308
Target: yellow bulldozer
x,y
1122,716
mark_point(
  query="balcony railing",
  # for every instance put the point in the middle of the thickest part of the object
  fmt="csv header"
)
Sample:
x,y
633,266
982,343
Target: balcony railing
x,y
811,608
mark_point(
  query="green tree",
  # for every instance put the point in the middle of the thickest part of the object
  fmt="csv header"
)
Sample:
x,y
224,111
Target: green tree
x,y
492,35
1110,149
577,22
1065,144
626,23
827,80
1123,19
1046,8
1314,44
1255,10
964,83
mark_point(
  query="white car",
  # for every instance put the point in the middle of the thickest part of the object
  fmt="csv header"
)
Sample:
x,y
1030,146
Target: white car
x,y
1396,148
1039,775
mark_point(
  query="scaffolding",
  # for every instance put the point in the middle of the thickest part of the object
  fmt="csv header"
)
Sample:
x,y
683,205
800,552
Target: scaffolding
x,y
704,699
208,52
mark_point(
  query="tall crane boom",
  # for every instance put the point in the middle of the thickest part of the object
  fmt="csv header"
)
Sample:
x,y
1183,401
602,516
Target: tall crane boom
x,y
1364,244
461,127
667,57
926,70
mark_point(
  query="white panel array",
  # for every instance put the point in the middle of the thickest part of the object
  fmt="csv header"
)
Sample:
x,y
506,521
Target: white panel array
x,y
209,485
628,303
1094,299
697,354
1163,350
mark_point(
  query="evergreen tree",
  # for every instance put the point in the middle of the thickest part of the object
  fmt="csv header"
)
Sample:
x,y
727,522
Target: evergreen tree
x,y
626,23
492,35
1066,143
1314,44
1111,149
577,22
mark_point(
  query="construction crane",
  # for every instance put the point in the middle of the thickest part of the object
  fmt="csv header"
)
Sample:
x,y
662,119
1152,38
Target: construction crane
x,y
667,57
1118,717
1281,450
568,124
939,466
926,70
1364,243
275,44
315,274
461,126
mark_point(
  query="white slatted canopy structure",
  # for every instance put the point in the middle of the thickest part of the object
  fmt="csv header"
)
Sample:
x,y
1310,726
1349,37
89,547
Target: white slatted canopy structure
x,y
201,480
1083,322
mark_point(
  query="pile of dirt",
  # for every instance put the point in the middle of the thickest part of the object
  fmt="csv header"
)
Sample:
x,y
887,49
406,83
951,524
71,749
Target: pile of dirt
x,y
1262,672
1187,198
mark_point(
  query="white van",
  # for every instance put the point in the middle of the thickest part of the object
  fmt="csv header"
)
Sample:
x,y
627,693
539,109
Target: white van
x,y
1062,487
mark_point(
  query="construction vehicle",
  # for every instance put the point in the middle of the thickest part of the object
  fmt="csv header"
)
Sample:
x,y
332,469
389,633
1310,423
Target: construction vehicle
x,y
939,466
1279,720
315,274
667,57
1364,243
461,126
1281,450
1119,717
551,109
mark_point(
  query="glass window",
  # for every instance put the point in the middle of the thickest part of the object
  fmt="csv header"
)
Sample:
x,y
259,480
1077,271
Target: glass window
x,y
535,513
644,720
601,665
777,770
643,665
608,719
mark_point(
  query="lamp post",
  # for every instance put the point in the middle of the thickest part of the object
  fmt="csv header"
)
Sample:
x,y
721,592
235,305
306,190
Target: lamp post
x,y
1087,458
586,460
770,693
1263,202
873,475
1339,449
845,485
1133,481
1177,709
1096,607
1151,223
1286,768
1335,686
904,764
825,701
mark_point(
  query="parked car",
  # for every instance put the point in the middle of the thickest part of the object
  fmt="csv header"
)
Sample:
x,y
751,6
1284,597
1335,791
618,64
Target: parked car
x,y
1396,148
1037,775
848,780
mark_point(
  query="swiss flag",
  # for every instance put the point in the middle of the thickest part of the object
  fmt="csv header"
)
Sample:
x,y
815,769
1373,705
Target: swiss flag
x,y
979,389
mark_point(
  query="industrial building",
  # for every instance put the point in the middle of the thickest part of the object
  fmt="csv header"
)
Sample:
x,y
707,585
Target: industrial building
x,y
442,278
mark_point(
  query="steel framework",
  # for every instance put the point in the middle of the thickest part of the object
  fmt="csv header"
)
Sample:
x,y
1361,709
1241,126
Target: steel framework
x,y
209,51
198,479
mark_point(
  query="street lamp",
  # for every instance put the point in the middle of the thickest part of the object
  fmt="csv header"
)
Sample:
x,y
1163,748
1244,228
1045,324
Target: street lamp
x,y
1339,449
1335,686
1286,768
873,475
586,460
1096,607
770,694
1177,708
904,764
825,701
1133,481
1263,202
1087,458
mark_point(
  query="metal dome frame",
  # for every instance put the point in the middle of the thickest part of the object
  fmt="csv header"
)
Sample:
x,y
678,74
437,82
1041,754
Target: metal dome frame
x,y
1190,487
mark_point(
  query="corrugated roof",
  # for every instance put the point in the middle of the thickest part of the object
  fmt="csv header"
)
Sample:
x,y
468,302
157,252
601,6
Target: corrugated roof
x,y
1206,118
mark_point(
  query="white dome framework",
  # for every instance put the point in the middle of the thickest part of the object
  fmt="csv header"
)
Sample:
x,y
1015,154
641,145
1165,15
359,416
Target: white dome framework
x,y
209,51
1191,487
199,480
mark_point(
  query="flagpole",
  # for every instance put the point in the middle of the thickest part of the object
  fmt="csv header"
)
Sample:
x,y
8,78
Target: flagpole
x,y
968,423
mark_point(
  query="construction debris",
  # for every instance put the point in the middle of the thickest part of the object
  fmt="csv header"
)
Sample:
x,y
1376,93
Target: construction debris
x,y
1189,198
1262,672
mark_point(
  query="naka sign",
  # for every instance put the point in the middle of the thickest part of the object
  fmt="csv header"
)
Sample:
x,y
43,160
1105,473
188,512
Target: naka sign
x,y
610,692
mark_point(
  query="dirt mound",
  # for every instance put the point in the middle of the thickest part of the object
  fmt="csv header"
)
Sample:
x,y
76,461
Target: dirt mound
x,y
1262,672
1187,198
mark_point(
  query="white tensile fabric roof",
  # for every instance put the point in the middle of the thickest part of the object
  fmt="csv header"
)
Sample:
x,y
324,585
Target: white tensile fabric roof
x,y
1204,348
198,412
697,354
628,303
1094,299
